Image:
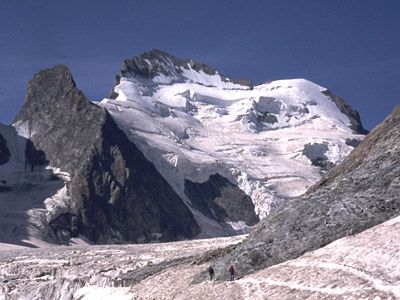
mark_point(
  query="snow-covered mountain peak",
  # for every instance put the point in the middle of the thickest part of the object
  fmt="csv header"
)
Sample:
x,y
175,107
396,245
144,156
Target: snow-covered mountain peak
x,y
272,140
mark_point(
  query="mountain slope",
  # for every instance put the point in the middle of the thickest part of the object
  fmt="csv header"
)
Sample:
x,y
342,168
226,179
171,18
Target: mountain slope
x,y
272,141
111,195
361,192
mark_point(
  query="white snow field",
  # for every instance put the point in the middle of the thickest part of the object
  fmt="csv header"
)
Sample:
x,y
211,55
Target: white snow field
x,y
363,266
194,125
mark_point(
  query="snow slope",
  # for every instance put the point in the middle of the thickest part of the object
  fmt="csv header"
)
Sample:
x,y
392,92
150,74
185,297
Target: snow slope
x,y
273,140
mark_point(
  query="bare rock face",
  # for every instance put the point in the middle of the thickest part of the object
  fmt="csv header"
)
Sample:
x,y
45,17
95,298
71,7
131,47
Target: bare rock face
x,y
115,193
219,199
360,193
345,108
316,154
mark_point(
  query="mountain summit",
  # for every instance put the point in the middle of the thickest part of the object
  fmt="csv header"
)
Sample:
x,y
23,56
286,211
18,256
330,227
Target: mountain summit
x,y
272,140
158,67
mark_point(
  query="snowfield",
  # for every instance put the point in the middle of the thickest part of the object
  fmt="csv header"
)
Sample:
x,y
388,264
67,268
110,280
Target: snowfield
x,y
364,266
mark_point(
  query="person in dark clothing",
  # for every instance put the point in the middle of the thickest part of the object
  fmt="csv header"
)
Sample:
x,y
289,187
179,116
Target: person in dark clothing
x,y
232,273
211,272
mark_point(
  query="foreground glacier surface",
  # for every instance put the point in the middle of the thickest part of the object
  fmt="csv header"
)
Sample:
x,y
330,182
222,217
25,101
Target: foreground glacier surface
x,y
364,266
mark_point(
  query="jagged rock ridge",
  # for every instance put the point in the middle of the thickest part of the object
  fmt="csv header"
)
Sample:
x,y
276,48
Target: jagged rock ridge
x,y
156,62
345,108
114,193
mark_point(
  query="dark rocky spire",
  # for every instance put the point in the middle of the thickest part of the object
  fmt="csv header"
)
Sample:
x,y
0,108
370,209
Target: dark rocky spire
x,y
115,193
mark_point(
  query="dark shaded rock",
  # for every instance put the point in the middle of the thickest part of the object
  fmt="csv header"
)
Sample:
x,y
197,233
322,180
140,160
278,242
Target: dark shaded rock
x,y
345,108
211,255
316,154
33,156
4,189
361,192
353,142
293,109
116,194
323,164
304,110
267,118
4,151
269,105
219,199
156,62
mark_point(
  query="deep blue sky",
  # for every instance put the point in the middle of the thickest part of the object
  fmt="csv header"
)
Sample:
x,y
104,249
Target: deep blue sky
x,y
351,47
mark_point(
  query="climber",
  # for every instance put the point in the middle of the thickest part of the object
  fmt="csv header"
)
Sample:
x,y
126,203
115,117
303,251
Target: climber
x,y
211,272
232,273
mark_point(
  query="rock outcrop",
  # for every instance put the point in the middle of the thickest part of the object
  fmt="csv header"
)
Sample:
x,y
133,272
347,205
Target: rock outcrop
x,y
219,199
345,108
115,194
361,192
